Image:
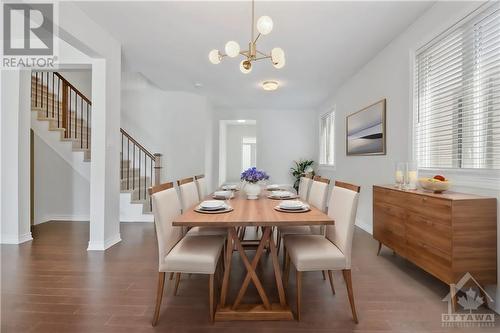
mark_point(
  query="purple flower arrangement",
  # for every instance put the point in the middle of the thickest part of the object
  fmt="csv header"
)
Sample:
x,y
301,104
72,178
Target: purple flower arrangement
x,y
253,175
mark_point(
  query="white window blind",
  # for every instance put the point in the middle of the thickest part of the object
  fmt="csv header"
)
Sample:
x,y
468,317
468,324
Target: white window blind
x,y
327,139
457,95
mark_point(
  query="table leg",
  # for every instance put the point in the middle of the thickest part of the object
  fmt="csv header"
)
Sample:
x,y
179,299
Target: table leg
x,y
277,271
227,270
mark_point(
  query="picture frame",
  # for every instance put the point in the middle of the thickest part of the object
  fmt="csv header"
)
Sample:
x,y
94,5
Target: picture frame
x,y
366,130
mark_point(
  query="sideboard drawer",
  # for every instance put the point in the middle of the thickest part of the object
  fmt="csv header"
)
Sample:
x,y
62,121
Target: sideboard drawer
x,y
389,227
430,232
438,209
429,258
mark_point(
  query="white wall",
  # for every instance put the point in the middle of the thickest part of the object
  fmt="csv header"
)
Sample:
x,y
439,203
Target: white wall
x,y
176,124
60,193
235,135
388,75
15,151
80,78
282,137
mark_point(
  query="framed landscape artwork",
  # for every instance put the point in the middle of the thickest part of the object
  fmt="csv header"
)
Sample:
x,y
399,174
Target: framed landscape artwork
x,y
365,131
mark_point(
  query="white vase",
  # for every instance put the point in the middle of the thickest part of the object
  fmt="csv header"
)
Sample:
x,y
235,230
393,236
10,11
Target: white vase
x,y
252,191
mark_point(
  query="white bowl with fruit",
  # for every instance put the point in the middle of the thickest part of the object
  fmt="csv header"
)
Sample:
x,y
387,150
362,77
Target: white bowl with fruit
x,y
436,184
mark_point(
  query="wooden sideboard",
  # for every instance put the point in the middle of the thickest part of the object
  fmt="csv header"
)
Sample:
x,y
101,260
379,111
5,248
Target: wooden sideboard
x,y
446,234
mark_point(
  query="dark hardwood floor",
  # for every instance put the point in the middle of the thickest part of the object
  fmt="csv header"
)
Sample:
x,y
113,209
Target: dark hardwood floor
x,y
53,284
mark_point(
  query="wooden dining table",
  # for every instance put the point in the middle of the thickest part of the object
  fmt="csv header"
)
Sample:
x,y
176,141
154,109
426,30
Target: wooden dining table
x,y
260,213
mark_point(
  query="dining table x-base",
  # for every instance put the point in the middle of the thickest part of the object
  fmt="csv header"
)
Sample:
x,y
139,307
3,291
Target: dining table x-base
x,y
245,311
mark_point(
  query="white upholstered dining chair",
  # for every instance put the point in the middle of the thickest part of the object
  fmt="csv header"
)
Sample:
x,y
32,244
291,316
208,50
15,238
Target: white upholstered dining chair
x,y
316,194
331,252
189,196
201,185
178,254
304,186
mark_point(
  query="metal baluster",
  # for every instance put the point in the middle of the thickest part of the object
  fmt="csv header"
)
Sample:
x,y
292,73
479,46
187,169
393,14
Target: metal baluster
x,y
36,89
69,114
121,165
76,110
53,95
58,95
47,97
139,164
81,125
88,128
145,174
128,163
133,167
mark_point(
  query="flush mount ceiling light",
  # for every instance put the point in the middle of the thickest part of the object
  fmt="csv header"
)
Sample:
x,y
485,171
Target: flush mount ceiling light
x,y
232,49
270,85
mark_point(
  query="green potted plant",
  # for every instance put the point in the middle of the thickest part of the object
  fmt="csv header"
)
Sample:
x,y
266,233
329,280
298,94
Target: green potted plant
x,y
302,168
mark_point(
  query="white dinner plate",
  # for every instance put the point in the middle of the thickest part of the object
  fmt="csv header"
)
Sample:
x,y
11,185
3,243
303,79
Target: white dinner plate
x,y
281,194
212,204
292,205
230,187
223,194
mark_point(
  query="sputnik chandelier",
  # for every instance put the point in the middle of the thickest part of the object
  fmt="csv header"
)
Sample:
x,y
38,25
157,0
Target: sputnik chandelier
x,y
264,26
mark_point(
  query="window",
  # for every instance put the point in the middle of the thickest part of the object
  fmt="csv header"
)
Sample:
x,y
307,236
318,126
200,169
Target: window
x,y
327,139
457,95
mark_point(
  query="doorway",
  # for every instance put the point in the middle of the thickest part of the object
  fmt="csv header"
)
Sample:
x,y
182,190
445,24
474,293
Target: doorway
x,y
237,148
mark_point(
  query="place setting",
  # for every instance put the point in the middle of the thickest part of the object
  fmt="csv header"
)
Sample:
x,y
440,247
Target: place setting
x,y
213,207
223,195
282,195
292,206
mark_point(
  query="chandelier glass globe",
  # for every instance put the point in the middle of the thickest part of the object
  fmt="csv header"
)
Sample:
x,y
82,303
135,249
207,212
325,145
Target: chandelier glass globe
x,y
245,66
232,49
264,25
214,56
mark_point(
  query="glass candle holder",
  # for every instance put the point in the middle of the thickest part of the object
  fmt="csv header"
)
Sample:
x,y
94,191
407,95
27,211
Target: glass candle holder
x,y
412,177
400,174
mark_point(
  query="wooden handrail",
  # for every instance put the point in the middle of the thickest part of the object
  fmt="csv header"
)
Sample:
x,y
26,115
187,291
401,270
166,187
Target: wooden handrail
x,y
144,150
73,88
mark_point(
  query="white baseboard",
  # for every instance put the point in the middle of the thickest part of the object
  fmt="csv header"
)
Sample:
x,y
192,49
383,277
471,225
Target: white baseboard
x,y
101,246
16,239
69,218
365,226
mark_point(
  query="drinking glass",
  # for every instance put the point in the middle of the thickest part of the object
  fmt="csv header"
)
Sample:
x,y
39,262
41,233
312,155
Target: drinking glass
x,y
400,174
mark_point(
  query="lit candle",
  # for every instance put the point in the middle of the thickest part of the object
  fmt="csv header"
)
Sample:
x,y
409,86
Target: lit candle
x,y
412,177
399,176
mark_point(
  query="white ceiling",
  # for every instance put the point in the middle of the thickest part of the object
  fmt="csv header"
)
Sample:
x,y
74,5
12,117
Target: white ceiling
x,y
325,43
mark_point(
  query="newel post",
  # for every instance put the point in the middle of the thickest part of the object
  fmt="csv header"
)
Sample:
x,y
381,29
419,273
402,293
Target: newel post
x,y
157,168
65,108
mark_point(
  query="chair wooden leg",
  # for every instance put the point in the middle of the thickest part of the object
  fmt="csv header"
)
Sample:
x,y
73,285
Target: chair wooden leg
x,y
330,276
171,276
211,296
278,240
159,296
324,275
286,273
350,294
299,291
177,281
379,248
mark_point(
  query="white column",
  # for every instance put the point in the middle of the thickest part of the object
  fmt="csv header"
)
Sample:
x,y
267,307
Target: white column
x,y
105,157
15,156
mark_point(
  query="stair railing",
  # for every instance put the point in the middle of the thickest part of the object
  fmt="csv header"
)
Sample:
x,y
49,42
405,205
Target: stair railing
x,y
64,103
140,169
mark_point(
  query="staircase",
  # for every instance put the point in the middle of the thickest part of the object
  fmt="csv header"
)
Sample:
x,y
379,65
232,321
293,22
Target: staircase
x,y
61,116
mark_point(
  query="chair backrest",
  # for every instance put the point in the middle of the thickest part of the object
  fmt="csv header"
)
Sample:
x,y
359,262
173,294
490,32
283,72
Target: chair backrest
x,y
342,208
202,186
188,193
318,192
165,208
304,186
